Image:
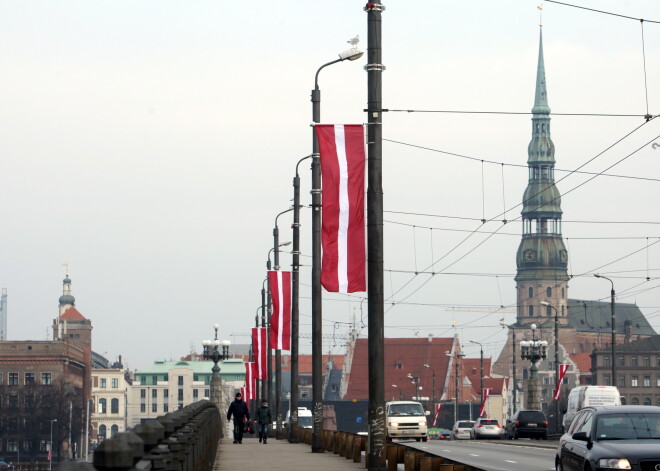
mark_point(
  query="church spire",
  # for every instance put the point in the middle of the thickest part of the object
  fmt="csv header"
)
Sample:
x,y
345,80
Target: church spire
x,y
541,98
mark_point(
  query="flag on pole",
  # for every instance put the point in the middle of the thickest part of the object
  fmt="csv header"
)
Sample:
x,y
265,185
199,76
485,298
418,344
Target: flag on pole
x,y
280,319
249,392
562,373
482,411
343,267
260,351
437,411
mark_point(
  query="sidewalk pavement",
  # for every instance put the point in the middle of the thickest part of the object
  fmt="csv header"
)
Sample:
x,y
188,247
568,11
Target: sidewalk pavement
x,y
277,455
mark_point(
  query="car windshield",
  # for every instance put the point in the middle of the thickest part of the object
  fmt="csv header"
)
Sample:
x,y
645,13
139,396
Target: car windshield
x,y
304,421
628,426
406,409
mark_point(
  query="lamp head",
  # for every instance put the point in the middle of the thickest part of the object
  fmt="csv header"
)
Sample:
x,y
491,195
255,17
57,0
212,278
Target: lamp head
x,y
286,242
351,54
545,303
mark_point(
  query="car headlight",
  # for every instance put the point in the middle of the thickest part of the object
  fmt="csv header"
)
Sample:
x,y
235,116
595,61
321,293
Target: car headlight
x,y
394,424
614,463
423,422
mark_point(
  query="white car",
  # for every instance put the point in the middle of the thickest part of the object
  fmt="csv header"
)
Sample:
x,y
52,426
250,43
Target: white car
x,y
461,430
486,428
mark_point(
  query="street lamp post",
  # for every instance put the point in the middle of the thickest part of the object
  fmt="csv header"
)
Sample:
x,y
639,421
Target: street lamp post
x,y
295,283
211,351
52,451
458,356
433,372
513,366
544,303
397,387
267,386
317,318
481,364
533,350
613,362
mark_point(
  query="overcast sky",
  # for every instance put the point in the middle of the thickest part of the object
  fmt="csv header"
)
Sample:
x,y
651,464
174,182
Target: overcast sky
x,y
149,145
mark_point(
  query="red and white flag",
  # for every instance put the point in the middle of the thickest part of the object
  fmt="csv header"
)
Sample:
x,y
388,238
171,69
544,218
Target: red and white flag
x,y
249,392
280,319
562,373
343,268
260,351
482,411
437,411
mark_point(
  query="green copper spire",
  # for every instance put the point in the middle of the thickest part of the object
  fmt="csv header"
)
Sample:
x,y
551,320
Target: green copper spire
x,y
541,99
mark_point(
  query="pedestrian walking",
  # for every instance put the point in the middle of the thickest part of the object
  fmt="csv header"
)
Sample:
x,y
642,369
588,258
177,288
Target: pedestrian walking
x,y
241,413
264,419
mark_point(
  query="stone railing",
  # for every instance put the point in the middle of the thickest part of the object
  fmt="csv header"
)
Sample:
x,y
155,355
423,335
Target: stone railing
x,y
184,440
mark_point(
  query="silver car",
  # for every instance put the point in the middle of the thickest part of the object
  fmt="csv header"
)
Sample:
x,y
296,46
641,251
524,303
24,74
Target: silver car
x,y
486,428
461,430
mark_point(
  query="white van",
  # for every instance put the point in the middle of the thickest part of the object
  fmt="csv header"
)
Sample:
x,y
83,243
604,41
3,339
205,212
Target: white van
x,y
406,419
304,418
583,396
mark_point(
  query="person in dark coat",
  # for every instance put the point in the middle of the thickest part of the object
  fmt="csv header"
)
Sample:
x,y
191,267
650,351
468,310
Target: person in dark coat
x,y
264,419
241,413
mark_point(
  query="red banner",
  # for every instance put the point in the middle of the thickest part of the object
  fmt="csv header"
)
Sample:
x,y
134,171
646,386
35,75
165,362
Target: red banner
x,y
482,411
562,373
249,392
343,268
437,411
280,319
260,351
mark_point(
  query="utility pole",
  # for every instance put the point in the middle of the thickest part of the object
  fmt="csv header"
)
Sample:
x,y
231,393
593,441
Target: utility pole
x,y
374,67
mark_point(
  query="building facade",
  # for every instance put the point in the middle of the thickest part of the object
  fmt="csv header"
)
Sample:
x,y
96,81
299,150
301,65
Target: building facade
x,y
110,390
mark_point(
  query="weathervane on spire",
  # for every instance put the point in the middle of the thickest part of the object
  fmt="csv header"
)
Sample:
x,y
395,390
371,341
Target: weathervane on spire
x,y
540,7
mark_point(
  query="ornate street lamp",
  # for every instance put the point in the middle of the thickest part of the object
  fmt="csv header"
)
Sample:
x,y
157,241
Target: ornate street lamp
x,y
533,350
212,352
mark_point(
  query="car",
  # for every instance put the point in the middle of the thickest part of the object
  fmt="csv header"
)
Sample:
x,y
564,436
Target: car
x,y
443,434
461,429
486,428
527,424
611,437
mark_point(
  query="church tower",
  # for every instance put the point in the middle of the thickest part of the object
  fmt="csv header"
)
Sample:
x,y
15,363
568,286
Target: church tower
x,y
542,258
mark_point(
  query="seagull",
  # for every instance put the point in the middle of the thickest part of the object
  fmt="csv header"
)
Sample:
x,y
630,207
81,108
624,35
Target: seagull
x,y
354,41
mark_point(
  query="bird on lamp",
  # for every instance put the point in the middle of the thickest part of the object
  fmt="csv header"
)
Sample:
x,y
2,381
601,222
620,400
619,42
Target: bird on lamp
x,y
354,41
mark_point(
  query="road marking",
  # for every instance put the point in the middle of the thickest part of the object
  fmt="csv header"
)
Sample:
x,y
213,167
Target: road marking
x,y
472,454
510,461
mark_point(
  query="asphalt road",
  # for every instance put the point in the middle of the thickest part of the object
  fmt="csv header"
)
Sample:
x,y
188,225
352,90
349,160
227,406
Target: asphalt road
x,y
516,455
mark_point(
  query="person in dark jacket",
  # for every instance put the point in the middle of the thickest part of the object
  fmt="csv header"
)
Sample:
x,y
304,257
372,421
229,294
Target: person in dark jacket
x,y
239,410
264,419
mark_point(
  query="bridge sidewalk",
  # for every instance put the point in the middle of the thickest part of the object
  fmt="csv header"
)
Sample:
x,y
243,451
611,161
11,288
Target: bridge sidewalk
x,y
277,455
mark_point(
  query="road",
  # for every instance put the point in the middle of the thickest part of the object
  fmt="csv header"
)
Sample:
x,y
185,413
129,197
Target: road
x,y
518,455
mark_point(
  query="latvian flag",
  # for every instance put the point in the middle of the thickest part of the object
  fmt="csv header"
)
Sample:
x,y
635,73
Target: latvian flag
x,y
249,392
482,411
343,268
562,373
260,351
280,319
437,411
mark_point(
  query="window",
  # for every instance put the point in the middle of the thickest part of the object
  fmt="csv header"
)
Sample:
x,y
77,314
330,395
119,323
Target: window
x,y
647,401
46,378
635,401
647,382
143,408
13,379
12,401
562,309
143,393
166,407
154,407
562,292
12,445
647,361
29,401
166,394
548,292
622,361
154,393
103,383
1,382
180,380
398,366
607,380
196,394
115,382
622,381
606,361
180,396
304,393
546,379
634,382
657,381
633,361
530,292
29,378
207,393
102,432
154,380
531,310
548,311
103,406
114,406
113,430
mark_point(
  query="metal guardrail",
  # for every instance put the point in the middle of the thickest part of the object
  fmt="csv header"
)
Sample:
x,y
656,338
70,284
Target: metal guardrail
x,y
184,440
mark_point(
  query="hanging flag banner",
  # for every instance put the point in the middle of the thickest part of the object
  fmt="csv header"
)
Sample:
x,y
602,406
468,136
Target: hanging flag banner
x,y
562,373
249,392
437,411
280,319
482,411
260,351
343,267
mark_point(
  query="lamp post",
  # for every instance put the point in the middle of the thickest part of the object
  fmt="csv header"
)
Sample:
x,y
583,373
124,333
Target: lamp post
x,y
212,352
458,356
317,319
295,283
415,380
544,303
481,364
278,353
433,372
50,461
612,293
533,350
513,366
397,387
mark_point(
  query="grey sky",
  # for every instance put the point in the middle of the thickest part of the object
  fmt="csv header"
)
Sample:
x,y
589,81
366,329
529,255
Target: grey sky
x,y
150,145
